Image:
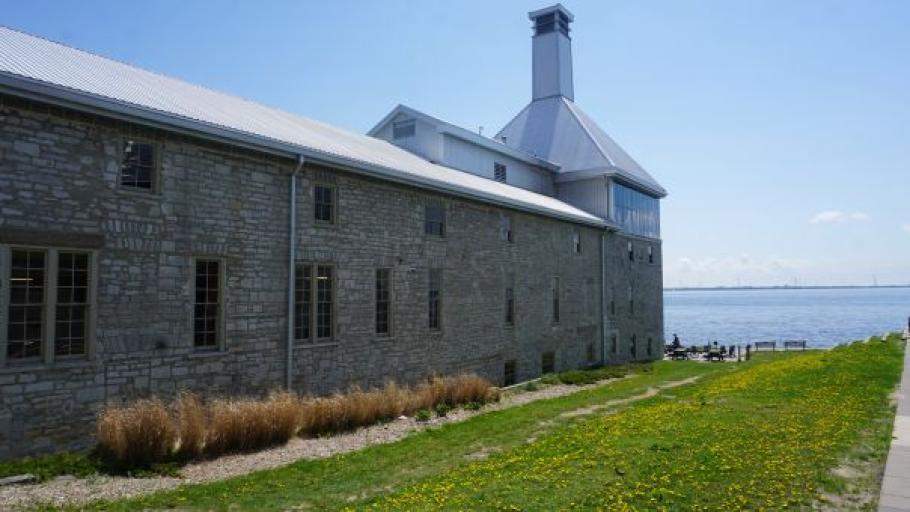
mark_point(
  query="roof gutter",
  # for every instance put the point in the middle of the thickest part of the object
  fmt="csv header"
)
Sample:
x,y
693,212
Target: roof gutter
x,y
62,96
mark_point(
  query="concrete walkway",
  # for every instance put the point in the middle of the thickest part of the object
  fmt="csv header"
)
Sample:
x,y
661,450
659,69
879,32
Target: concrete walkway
x,y
895,494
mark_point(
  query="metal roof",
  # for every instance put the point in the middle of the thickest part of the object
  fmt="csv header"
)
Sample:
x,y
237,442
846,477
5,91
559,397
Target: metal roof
x,y
555,129
464,134
47,71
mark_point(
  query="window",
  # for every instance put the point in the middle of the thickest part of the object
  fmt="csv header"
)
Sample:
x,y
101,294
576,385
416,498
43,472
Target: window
x,y
635,212
631,252
207,313
650,255
591,355
505,229
548,362
314,302
612,307
324,198
25,329
138,169
576,242
555,292
49,304
510,306
435,219
71,316
303,301
383,300
499,172
631,302
325,304
508,373
632,347
434,299
614,341
403,129
650,348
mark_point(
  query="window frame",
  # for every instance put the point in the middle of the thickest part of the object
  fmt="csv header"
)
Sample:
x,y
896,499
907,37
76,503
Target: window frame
x,y
48,355
388,302
409,124
313,317
509,318
555,298
438,300
428,224
576,242
509,368
155,169
333,206
221,320
506,233
500,172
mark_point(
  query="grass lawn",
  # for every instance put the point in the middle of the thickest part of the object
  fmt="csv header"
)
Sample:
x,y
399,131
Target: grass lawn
x,y
760,435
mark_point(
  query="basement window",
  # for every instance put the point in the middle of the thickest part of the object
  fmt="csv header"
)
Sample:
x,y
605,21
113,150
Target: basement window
x,y
139,166
508,373
404,129
547,362
499,172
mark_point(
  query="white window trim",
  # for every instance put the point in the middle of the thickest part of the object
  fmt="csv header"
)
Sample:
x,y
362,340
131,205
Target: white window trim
x,y
50,305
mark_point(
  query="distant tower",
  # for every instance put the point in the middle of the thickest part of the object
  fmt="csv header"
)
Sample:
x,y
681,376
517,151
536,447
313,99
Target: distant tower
x,y
552,53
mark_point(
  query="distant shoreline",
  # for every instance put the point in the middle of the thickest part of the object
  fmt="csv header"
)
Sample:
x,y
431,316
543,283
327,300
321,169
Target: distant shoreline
x,y
743,288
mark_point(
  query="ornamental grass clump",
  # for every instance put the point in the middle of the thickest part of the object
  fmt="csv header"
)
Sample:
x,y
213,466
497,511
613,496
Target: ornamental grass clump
x,y
249,424
137,435
192,424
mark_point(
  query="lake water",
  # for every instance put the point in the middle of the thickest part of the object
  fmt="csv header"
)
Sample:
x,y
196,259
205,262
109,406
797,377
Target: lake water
x,y
823,317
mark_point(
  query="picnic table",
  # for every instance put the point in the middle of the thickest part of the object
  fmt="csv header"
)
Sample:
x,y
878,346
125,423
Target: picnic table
x,y
679,354
715,355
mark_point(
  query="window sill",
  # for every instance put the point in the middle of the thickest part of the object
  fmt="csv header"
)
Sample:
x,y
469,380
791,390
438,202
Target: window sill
x,y
320,344
204,354
147,194
40,366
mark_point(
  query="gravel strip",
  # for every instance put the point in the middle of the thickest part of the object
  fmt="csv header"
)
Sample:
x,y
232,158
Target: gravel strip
x,y
67,490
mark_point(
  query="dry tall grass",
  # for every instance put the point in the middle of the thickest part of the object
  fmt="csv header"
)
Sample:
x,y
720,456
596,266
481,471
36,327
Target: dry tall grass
x,y
138,434
147,431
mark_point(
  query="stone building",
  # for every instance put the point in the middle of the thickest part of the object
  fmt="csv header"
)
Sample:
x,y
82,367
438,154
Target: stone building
x,y
158,236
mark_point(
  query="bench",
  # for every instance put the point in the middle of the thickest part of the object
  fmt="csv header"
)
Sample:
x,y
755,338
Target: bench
x,y
765,345
800,344
715,355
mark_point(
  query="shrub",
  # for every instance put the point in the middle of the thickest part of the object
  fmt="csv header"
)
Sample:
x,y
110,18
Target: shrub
x,y
136,435
442,409
473,406
191,425
423,415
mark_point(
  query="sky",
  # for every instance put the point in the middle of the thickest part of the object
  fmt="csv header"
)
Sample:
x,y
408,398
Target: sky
x,y
781,129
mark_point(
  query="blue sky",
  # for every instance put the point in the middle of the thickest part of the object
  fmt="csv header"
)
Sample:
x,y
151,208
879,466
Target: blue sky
x,y
780,128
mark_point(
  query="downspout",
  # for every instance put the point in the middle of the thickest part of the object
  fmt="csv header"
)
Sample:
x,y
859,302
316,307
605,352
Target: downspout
x,y
292,257
603,280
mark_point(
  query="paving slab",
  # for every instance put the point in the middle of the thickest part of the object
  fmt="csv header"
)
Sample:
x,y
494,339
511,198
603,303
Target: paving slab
x,y
895,493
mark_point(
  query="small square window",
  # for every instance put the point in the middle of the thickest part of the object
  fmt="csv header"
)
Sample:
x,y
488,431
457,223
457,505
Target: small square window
x,y
403,129
139,166
499,172
324,199
435,219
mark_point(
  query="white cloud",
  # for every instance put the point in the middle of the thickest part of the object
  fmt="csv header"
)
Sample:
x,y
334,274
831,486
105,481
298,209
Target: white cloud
x,y
832,216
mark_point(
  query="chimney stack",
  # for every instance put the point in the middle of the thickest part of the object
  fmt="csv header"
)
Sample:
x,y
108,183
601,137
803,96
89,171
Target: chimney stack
x,y
552,53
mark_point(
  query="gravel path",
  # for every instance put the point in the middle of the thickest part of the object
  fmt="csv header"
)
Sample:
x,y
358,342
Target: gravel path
x,y
72,491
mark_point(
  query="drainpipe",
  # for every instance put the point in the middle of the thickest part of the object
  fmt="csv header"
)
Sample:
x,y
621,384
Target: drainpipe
x,y
292,257
603,297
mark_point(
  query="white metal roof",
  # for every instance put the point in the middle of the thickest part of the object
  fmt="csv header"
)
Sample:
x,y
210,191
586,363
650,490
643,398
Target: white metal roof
x,y
555,129
41,69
